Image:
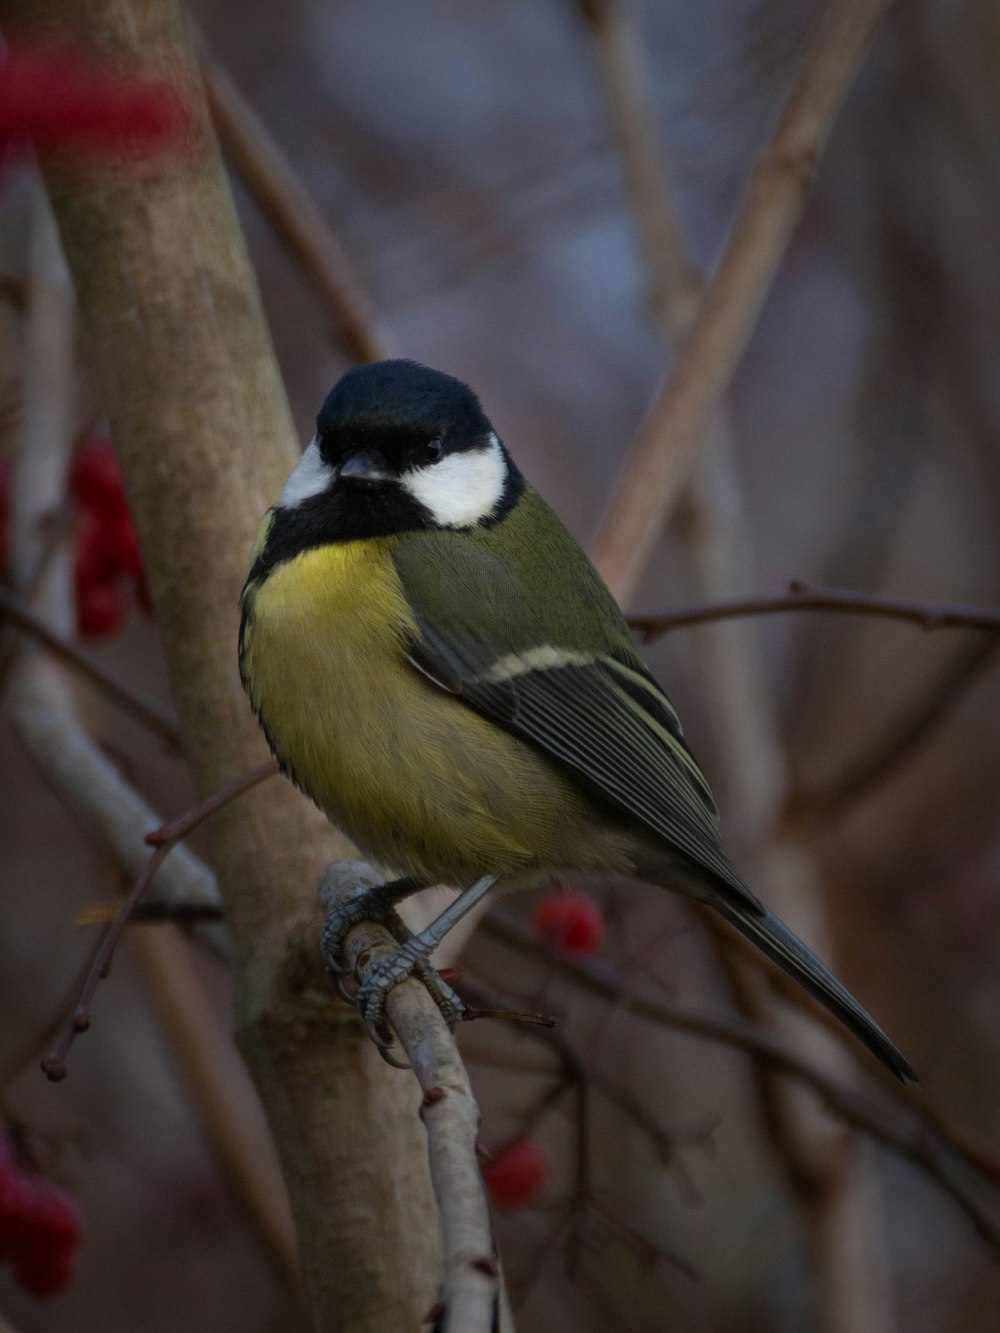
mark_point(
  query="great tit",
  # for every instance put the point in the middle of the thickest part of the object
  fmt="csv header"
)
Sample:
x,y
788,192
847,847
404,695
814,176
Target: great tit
x,y
437,664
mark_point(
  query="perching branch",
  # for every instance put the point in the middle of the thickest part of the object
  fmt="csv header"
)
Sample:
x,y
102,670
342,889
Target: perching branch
x,y
470,1290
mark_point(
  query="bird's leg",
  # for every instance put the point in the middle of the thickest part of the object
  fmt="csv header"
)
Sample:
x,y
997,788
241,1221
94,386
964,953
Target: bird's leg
x,y
412,960
368,902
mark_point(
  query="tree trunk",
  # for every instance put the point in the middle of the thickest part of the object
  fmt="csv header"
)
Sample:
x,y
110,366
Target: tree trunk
x,y
200,421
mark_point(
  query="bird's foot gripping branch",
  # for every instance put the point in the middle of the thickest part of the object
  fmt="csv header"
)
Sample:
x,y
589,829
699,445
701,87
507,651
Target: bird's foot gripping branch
x,y
470,1286
363,902
352,897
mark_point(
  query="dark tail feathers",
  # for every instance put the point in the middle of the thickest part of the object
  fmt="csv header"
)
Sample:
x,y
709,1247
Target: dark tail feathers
x,y
774,939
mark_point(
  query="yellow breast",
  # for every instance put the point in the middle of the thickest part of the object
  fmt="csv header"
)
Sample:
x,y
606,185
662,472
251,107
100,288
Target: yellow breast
x,y
417,779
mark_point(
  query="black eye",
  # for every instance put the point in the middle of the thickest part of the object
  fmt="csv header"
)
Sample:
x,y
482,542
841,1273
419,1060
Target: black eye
x,y
433,449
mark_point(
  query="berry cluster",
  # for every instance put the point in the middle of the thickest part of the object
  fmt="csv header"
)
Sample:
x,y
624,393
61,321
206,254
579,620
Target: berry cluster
x,y
107,568
108,576
570,922
39,1228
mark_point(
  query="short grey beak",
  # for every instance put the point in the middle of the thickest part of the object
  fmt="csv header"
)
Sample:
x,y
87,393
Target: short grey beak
x,y
364,467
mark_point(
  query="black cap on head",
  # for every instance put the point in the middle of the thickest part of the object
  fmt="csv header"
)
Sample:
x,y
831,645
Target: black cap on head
x,y
373,469
401,403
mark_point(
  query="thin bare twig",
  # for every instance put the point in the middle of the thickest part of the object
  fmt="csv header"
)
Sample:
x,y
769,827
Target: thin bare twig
x,y
164,840
636,1242
577,1075
810,597
54,1065
152,913
29,1048
148,711
575,1068
918,1139
776,194
172,833
903,738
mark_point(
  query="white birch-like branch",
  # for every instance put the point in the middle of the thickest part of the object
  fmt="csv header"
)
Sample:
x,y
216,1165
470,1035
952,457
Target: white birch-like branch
x,y
44,710
471,1286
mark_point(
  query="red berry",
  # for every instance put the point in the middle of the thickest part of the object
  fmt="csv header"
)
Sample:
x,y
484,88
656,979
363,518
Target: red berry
x,y
106,550
100,609
45,1272
102,584
517,1175
72,97
16,1198
94,479
108,564
572,922
53,1219
39,1227
126,548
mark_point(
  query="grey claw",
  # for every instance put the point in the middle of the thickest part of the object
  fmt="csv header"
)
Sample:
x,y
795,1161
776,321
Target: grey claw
x,y
444,996
372,1010
390,1059
377,903
386,976
364,904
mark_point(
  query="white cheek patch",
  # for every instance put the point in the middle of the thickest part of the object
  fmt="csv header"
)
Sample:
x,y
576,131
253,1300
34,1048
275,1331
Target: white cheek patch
x,y
463,488
310,477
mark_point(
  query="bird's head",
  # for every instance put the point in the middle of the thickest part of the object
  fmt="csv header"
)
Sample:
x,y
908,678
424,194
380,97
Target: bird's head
x,y
400,446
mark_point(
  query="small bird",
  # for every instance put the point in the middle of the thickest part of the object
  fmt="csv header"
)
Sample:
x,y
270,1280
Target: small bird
x,y
438,665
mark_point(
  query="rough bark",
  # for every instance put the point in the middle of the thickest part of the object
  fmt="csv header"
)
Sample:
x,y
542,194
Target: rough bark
x,y
198,414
